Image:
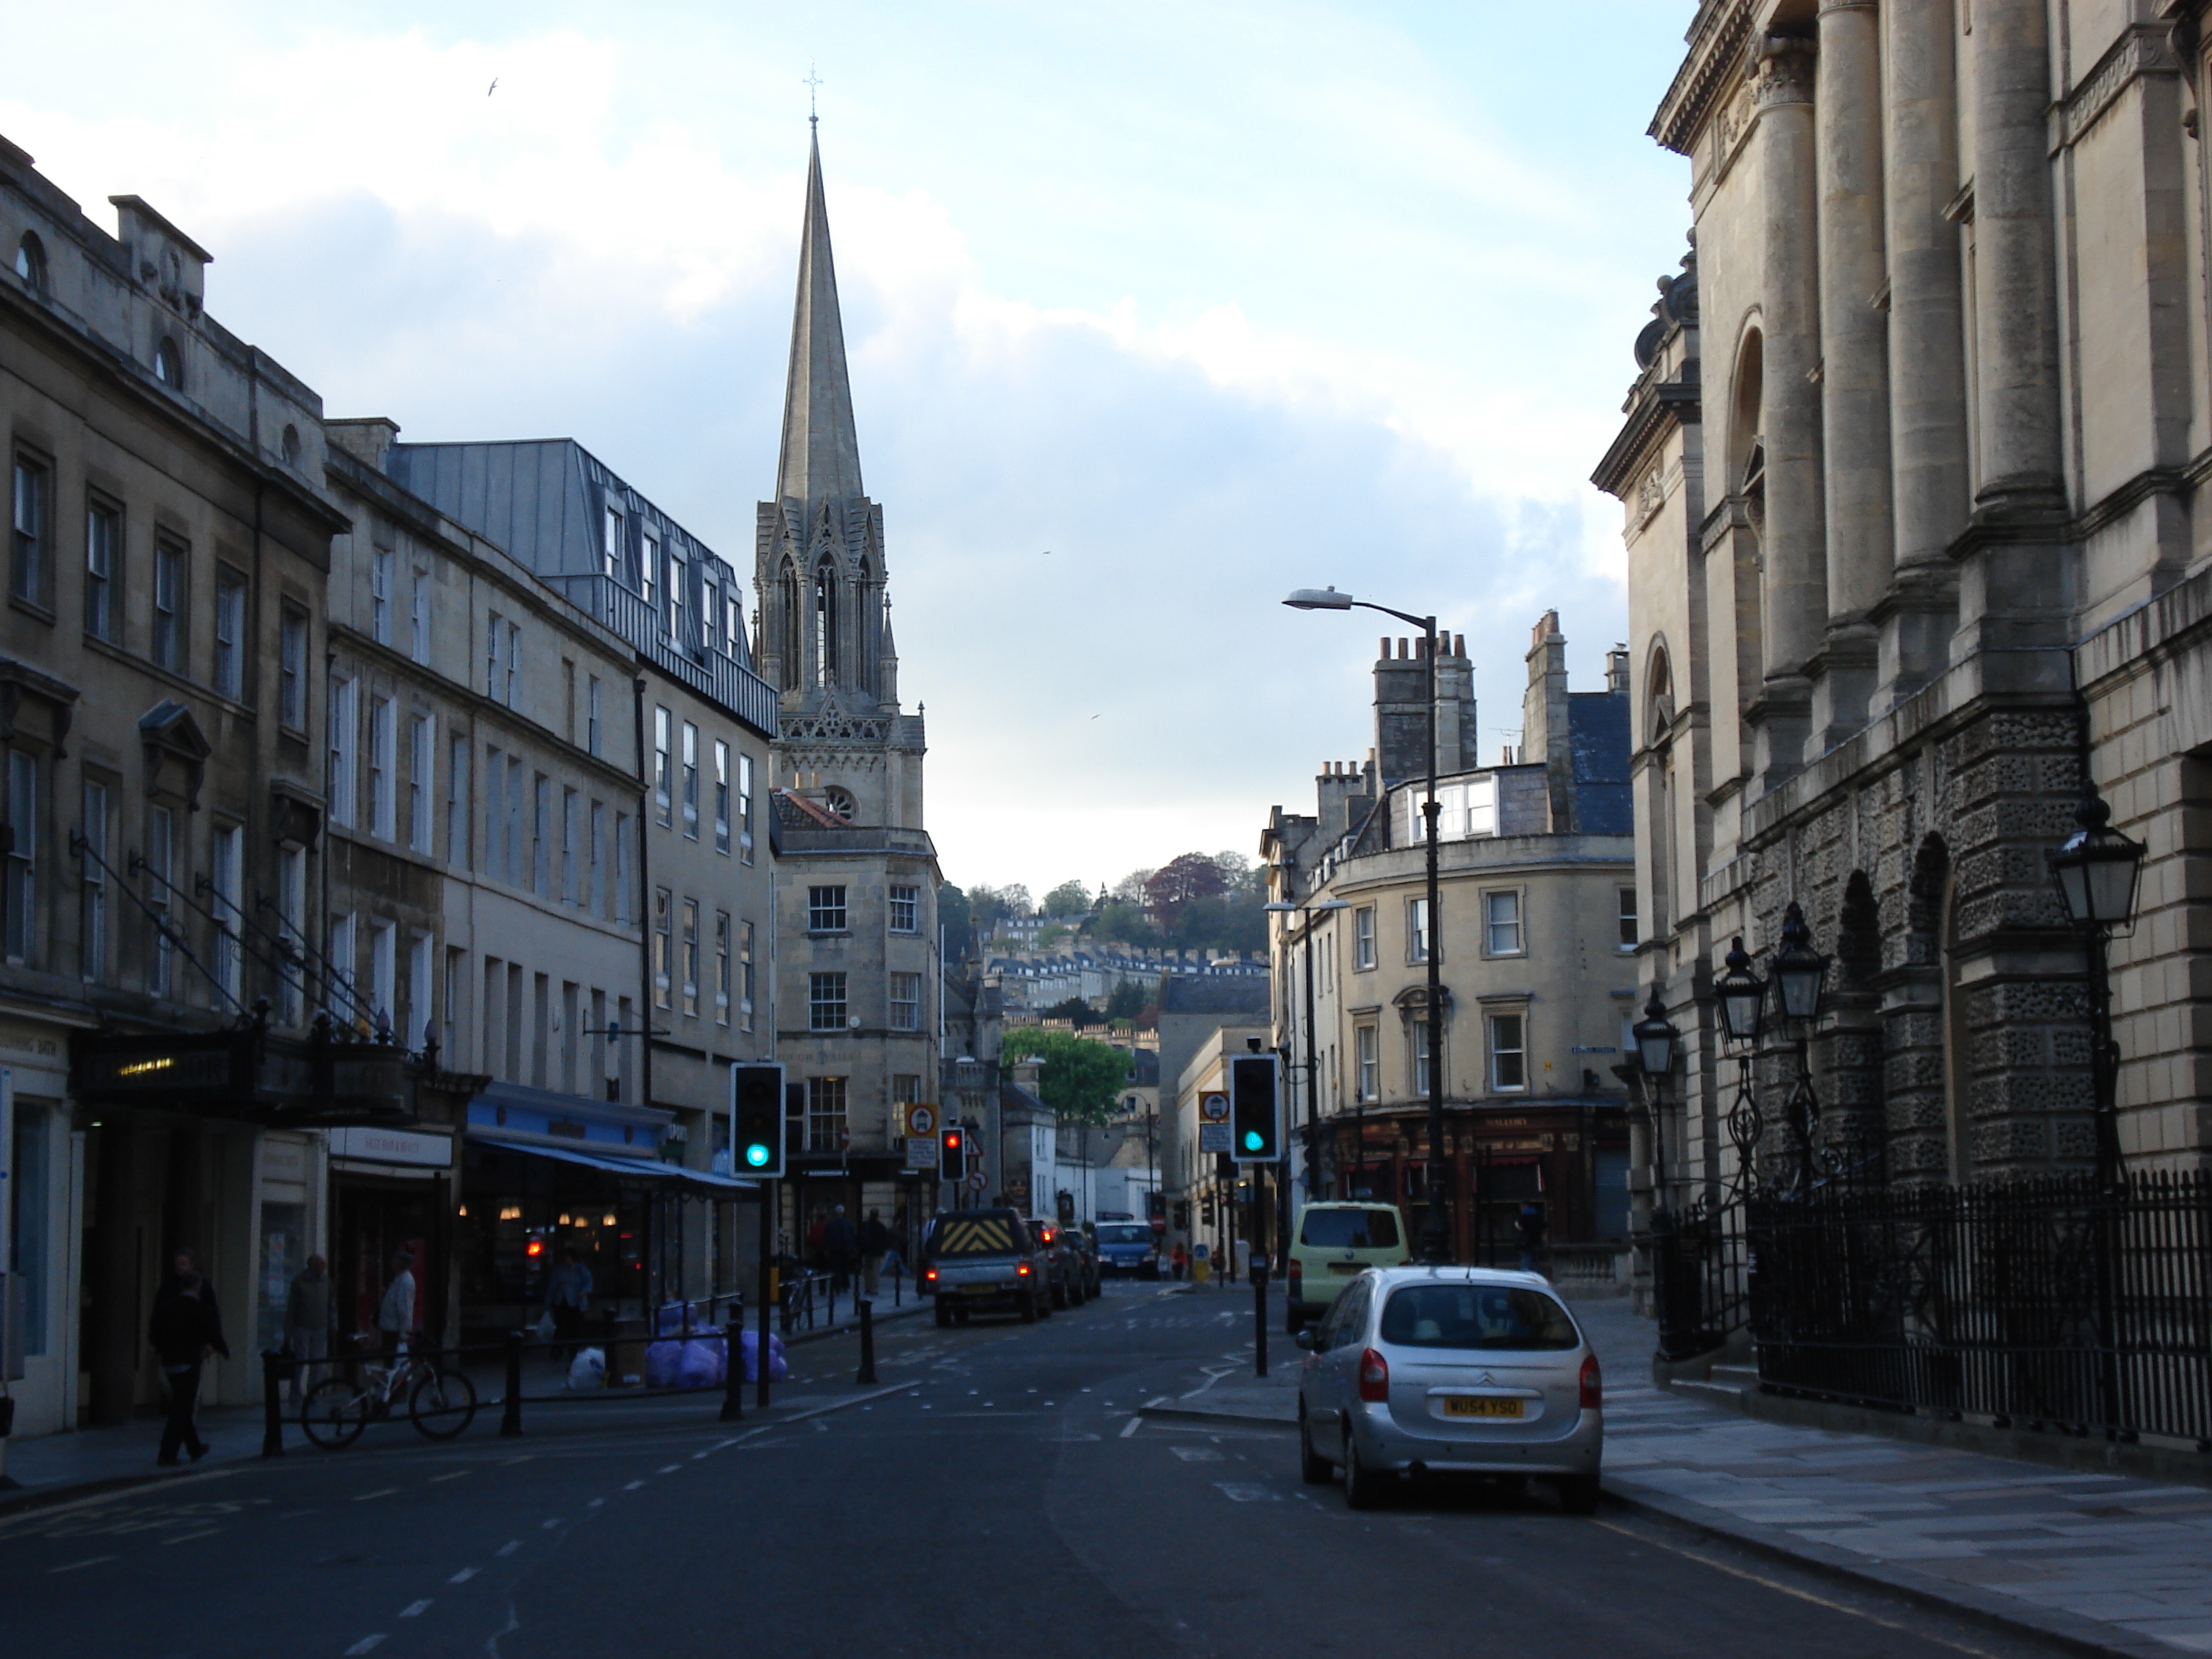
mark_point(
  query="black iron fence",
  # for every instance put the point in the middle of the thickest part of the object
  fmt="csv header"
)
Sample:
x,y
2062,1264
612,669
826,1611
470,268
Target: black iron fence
x,y
2051,1303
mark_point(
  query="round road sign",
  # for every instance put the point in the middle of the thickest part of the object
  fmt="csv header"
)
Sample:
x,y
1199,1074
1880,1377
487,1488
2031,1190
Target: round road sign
x,y
1213,1107
976,1180
921,1120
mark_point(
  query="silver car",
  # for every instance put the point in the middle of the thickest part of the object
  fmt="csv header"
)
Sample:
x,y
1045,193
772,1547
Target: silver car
x,y
1449,1371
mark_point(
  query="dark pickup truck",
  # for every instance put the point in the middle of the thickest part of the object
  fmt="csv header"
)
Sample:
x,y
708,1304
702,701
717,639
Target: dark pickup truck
x,y
985,1262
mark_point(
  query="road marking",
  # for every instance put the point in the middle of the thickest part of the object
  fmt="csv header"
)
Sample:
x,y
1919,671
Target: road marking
x,y
634,1486
463,1575
1196,1454
74,1565
414,1609
595,1502
456,1475
510,1547
207,1532
669,1469
1247,1492
1703,1559
365,1496
366,1644
1131,1426
709,1452
550,1525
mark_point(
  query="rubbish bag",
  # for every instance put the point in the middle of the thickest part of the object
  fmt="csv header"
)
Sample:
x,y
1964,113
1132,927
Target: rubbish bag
x,y
543,1328
750,1348
702,1363
588,1369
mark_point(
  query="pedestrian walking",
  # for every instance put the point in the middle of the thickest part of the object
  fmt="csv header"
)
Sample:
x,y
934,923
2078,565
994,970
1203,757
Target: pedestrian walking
x,y
1178,1259
1529,1237
567,1294
875,1245
395,1318
310,1311
840,1248
185,1329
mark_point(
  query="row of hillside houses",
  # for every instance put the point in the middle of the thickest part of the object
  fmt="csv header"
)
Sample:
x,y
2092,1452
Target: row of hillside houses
x,y
1041,982
402,840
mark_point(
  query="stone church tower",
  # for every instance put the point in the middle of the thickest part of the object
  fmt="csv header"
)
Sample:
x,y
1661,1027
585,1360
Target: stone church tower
x,y
859,979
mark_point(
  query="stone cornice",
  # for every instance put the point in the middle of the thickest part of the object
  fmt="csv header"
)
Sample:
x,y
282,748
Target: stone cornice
x,y
1660,409
1715,61
2142,49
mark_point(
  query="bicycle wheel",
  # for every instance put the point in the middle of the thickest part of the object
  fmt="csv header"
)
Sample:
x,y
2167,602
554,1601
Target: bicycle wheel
x,y
334,1413
442,1403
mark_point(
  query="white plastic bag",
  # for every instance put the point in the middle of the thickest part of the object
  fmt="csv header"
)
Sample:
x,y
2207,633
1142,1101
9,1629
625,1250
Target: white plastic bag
x,y
588,1369
543,1327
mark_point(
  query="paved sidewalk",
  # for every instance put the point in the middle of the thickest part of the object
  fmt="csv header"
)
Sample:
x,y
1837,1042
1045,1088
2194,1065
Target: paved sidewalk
x,y
2105,1563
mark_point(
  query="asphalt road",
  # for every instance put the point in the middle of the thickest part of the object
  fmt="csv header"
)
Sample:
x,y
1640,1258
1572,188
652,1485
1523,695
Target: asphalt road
x,y
995,1495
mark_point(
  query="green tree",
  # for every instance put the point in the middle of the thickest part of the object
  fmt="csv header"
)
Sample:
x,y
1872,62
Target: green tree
x,y
1124,922
1050,935
1126,1001
1075,1010
1070,898
1080,1079
952,916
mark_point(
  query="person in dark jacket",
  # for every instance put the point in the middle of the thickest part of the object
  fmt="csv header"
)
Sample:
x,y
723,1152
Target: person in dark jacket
x,y
875,1244
185,1329
841,1247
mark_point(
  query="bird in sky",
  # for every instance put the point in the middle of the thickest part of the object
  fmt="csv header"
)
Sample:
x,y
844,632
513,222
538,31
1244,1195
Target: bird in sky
x,y
493,88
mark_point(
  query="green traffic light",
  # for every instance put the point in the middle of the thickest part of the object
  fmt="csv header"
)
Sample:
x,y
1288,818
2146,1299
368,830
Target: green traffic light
x,y
757,1154
1254,1140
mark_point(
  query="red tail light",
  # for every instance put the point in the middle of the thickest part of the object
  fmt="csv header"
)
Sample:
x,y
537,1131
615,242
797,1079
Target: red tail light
x,y
1374,1377
929,1274
1023,1268
1593,1390
1297,1276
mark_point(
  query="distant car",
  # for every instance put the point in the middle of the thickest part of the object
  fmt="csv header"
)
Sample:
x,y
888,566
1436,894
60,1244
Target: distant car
x,y
984,1262
1332,1243
1086,1252
1450,1370
1063,1271
1128,1247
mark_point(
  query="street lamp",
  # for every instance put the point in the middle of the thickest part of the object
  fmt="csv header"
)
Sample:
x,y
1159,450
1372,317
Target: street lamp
x,y
1436,1239
2096,870
1796,971
1313,1112
1742,996
1657,1042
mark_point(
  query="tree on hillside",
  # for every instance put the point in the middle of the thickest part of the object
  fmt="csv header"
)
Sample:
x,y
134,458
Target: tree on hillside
x,y
1120,921
1075,1010
991,905
1126,1001
1130,889
1081,1080
1176,885
1070,898
953,917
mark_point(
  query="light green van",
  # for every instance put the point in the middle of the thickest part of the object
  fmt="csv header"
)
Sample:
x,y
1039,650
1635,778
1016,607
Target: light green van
x,y
1334,1241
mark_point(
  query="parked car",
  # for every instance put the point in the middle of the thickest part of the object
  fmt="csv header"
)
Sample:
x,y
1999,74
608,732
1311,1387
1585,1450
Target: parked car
x,y
1332,1244
1086,1252
985,1262
1128,1247
1449,1371
1063,1272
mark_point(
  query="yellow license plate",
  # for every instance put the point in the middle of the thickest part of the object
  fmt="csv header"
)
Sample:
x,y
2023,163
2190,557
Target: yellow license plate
x,y
1459,1407
1345,1268
982,1290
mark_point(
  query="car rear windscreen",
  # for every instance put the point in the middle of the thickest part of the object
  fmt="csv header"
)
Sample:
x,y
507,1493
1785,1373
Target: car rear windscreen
x,y
1124,1232
1350,1229
983,1234
1489,1316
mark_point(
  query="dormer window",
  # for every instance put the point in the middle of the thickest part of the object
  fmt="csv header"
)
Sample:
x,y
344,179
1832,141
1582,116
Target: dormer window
x,y
31,262
168,366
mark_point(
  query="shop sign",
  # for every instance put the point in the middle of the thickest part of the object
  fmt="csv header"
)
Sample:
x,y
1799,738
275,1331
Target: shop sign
x,y
409,1146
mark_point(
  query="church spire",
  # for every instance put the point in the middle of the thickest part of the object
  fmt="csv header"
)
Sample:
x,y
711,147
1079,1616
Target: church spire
x,y
821,455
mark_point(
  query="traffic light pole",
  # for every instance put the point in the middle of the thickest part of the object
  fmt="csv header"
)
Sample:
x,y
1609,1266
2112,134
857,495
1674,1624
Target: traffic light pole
x,y
768,1194
1259,1277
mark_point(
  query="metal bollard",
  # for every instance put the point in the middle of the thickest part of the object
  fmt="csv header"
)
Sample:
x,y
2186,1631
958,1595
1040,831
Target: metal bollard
x,y
272,1403
733,1364
897,1279
1259,1315
867,1344
510,1415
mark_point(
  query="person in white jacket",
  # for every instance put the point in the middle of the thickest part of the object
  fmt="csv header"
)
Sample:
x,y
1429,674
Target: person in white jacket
x,y
395,1318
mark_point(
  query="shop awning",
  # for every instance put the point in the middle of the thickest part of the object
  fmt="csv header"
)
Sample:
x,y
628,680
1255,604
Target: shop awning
x,y
645,1171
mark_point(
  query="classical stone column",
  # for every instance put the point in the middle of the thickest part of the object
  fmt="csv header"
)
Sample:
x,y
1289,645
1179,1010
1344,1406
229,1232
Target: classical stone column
x,y
1795,586
1855,360
1928,349
2016,587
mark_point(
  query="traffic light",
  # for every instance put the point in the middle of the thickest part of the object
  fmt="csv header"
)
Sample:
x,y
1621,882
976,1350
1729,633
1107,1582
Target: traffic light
x,y
951,1154
757,1137
1255,1115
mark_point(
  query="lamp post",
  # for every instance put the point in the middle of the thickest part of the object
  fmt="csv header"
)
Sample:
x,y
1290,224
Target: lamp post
x,y
2096,870
1743,997
1658,1042
1796,970
1436,1237
1307,913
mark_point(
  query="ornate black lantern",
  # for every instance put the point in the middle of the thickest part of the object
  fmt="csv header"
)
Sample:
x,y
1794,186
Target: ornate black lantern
x,y
2096,869
1656,1039
1742,996
1797,968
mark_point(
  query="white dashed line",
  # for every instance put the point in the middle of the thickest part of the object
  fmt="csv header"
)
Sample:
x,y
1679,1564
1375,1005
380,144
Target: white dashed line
x,y
550,1525
634,1486
510,1547
1131,1426
595,1502
73,1566
668,1468
365,1645
365,1496
206,1532
415,1609
464,1574
458,1474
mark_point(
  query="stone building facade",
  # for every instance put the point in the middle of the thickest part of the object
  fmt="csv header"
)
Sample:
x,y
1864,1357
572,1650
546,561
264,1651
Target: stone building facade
x,y
857,872
160,710
1912,477
1536,891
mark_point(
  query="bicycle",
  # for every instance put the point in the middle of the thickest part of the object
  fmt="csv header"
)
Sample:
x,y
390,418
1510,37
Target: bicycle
x,y
440,1403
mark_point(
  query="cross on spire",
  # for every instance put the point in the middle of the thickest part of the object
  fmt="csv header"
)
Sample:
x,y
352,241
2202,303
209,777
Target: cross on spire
x,y
811,82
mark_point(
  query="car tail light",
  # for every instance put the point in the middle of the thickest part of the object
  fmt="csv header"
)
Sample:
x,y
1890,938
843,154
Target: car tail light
x,y
1593,1390
1023,1268
929,1275
1297,1276
1374,1377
